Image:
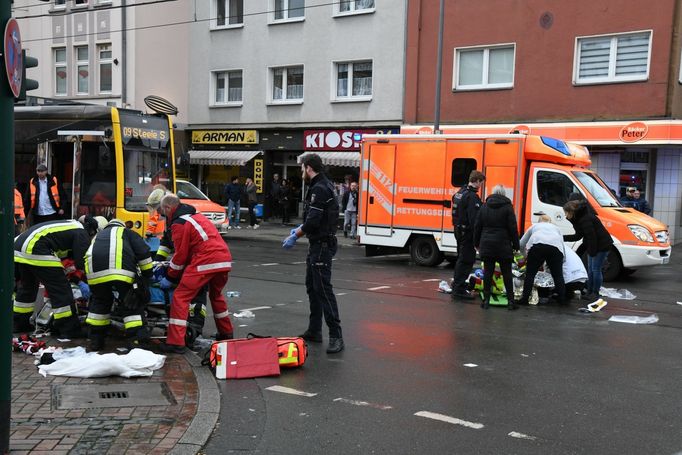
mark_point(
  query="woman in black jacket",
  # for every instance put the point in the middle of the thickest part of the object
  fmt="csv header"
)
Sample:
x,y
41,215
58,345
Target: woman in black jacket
x,y
596,239
496,237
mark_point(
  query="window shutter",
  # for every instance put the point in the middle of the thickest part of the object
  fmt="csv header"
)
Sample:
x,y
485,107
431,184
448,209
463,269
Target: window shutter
x,y
594,57
632,54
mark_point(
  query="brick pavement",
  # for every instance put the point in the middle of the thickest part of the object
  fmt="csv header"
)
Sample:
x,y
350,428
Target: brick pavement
x,y
38,428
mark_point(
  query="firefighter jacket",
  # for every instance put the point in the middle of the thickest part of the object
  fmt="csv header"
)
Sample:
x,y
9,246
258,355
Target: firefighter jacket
x,y
321,212
199,248
18,207
115,255
53,192
46,244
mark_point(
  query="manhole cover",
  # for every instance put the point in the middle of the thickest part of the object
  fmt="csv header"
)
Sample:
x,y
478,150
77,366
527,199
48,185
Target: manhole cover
x,y
111,395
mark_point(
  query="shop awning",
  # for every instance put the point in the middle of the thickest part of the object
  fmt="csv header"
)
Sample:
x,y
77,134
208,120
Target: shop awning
x,y
347,159
222,157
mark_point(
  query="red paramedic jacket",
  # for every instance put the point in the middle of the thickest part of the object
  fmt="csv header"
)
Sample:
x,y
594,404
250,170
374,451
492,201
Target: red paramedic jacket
x,y
199,248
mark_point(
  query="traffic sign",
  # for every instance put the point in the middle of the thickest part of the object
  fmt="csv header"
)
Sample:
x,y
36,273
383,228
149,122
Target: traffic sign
x,y
14,63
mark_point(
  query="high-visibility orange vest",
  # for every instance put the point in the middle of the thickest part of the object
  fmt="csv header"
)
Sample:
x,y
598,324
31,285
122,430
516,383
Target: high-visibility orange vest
x,y
155,225
18,206
54,189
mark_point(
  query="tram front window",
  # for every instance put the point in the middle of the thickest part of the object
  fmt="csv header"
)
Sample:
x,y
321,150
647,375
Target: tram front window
x,y
145,168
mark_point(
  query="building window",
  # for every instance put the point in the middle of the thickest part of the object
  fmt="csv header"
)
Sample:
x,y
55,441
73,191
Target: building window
x,y
227,13
59,4
483,68
105,66
82,70
288,10
80,2
287,84
354,6
228,87
614,58
353,80
60,71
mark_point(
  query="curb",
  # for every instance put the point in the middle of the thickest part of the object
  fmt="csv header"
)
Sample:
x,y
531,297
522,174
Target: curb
x,y
208,410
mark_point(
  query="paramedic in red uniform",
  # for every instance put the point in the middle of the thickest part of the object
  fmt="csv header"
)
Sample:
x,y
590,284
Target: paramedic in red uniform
x,y
201,257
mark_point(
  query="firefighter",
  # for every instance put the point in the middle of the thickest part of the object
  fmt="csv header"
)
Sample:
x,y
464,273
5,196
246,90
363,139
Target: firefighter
x,y
107,272
197,308
203,258
465,206
37,253
45,197
18,212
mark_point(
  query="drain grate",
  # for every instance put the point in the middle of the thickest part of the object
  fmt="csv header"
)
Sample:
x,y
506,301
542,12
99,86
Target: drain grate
x,y
84,396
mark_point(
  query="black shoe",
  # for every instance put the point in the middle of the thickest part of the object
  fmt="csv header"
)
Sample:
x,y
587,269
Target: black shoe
x,y
511,306
96,344
335,345
462,295
314,337
171,348
485,305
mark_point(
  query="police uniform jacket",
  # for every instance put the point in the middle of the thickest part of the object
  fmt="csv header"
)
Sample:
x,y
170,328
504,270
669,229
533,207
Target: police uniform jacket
x,y
199,248
46,244
465,205
321,212
115,255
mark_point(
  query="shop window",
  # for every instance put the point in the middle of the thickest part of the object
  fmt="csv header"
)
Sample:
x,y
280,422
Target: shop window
x,y
613,58
554,188
484,68
461,168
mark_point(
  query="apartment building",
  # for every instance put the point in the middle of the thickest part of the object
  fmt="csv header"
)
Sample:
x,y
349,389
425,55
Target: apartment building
x,y
605,74
273,79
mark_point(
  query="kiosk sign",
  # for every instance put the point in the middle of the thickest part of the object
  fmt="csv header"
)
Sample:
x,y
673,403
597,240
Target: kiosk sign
x,y
14,63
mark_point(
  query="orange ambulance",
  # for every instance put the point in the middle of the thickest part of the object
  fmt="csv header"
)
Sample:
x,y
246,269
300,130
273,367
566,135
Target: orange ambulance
x,y
407,183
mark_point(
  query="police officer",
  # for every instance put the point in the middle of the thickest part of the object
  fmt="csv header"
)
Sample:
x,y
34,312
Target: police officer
x,y
107,272
37,254
465,206
320,218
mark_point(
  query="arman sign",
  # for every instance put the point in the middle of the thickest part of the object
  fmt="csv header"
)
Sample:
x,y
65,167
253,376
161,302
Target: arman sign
x,y
225,137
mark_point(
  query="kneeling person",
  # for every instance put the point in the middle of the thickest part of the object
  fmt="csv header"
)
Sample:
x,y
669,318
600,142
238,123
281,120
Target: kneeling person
x,y
107,272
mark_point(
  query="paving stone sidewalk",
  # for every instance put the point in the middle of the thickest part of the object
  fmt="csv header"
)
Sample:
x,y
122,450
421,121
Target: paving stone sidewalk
x,y
183,427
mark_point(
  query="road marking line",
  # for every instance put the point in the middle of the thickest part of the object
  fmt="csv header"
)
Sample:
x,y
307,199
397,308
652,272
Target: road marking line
x,y
280,304
279,388
432,279
515,434
257,308
470,365
243,325
341,293
269,264
299,262
363,403
379,287
448,419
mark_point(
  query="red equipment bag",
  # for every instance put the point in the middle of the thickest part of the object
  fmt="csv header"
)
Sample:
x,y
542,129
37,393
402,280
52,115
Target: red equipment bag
x,y
292,351
243,358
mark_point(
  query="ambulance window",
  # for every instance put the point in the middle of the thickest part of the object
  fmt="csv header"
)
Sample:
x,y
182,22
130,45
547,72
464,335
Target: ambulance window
x,y
554,188
461,168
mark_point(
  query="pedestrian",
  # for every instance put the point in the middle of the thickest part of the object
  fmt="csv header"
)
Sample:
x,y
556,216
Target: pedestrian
x,y
543,242
45,197
201,258
233,193
284,196
496,237
349,206
596,239
274,196
465,206
38,254
320,218
118,260
633,199
197,307
252,200
19,216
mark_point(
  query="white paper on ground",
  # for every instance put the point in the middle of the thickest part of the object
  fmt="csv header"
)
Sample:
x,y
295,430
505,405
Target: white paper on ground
x,y
651,319
613,293
137,363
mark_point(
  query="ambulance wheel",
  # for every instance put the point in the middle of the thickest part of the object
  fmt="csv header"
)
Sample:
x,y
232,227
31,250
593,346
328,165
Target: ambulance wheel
x,y
425,252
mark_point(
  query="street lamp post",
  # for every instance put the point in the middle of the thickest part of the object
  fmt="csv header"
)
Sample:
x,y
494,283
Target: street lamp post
x,y
439,69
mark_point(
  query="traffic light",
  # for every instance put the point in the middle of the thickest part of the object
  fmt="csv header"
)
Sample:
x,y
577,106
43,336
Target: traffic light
x,y
27,84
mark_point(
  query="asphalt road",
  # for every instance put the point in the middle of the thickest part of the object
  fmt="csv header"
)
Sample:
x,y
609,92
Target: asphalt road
x,y
421,374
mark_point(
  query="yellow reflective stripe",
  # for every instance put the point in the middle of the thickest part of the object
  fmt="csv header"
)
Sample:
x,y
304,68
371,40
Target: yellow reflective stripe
x,y
62,253
163,252
88,258
39,260
145,264
45,230
112,277
63,312
290,355
119,248
22,307
131,322
98,319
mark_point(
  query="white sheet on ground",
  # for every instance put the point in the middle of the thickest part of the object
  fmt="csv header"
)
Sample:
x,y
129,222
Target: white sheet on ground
x,y
137,363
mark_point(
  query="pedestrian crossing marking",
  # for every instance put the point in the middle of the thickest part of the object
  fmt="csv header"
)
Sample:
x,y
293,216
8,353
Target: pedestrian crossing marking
x,y
257,308
378,288
448,419
290,391
515,434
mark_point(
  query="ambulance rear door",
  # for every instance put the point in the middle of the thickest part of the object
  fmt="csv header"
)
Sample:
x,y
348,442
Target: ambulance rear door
x,y
461,157
502,167
379,189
